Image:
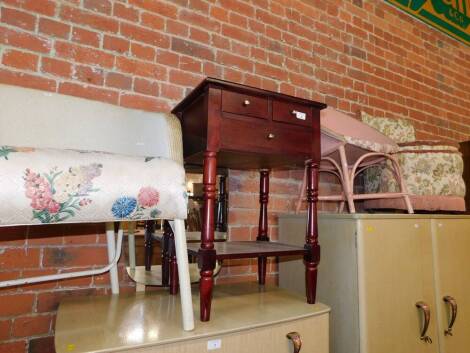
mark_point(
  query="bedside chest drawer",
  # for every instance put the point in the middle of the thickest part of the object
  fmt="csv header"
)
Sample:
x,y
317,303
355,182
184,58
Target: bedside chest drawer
x,y
244,104
252,135
234,121
312,331
292,113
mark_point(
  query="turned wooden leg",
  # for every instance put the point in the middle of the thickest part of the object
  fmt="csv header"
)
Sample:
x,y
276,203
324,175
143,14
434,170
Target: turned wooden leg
x,y
221,218
263,222
312,247
148,244
207,254
165,243
173,266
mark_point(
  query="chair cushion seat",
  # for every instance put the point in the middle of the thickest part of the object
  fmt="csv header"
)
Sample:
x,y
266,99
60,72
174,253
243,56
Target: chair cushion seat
x,y
429,203
69,186
431,171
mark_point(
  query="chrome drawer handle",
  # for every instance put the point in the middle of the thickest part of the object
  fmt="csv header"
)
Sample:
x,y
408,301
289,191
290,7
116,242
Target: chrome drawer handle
x,y
246,102
453,305
271,136
296,340
427,319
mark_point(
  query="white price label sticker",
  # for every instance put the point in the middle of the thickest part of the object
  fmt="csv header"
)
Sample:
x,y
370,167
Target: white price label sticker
x,y
214,344
300,115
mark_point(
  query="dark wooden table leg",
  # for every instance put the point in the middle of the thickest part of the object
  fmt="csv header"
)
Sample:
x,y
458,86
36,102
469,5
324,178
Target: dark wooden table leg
x,y
173,265
263,222
148,244
207,254
221,219
312,258
165,243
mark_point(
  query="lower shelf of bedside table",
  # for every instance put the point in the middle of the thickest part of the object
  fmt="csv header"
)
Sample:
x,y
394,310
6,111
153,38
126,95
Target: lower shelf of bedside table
x,y
246,318
249,249
154,277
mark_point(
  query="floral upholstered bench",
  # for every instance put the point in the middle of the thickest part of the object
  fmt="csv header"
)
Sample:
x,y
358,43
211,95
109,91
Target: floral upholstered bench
x,y
70,160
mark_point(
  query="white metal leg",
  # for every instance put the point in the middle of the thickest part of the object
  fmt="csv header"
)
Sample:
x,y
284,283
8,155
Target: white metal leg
x,y
139,287
183,274
110,240
131,243
67,275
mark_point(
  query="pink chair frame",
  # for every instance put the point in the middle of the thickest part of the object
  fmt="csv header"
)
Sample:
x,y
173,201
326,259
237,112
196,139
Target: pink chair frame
x,y
347,174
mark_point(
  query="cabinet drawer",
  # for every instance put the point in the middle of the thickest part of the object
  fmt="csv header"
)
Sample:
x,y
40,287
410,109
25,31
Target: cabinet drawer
x,y
313,332
292,113
253,135
244,104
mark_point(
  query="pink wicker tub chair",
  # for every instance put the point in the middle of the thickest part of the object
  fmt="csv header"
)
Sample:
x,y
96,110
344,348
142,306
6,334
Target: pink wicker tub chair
x,y
432,170
70,160
350,147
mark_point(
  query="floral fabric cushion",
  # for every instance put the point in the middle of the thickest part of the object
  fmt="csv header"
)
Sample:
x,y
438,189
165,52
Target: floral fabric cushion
x,y
69,186
399,130
425,174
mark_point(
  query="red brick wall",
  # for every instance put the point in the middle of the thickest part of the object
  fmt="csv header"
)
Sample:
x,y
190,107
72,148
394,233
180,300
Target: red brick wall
x,y
28,313
351,54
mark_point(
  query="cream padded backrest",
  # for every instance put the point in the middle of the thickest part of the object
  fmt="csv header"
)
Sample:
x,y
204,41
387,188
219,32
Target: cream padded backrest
x,y
32,118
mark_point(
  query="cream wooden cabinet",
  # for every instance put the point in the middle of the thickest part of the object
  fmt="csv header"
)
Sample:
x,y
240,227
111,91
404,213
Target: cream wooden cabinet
x,y
376,268
451,249
247,318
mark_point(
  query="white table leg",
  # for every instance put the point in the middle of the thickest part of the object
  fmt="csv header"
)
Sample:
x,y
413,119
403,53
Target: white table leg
x,y
111,242
183,274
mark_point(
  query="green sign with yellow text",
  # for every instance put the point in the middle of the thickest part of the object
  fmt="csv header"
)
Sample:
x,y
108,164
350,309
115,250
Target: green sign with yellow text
x,y
450,16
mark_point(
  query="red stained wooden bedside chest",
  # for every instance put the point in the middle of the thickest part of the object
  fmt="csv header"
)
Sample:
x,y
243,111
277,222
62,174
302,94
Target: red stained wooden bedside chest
x,y
240,127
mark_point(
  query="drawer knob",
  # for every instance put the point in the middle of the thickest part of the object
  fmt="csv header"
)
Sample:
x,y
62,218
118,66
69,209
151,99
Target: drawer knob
x,y
296,340
271,136
246,102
